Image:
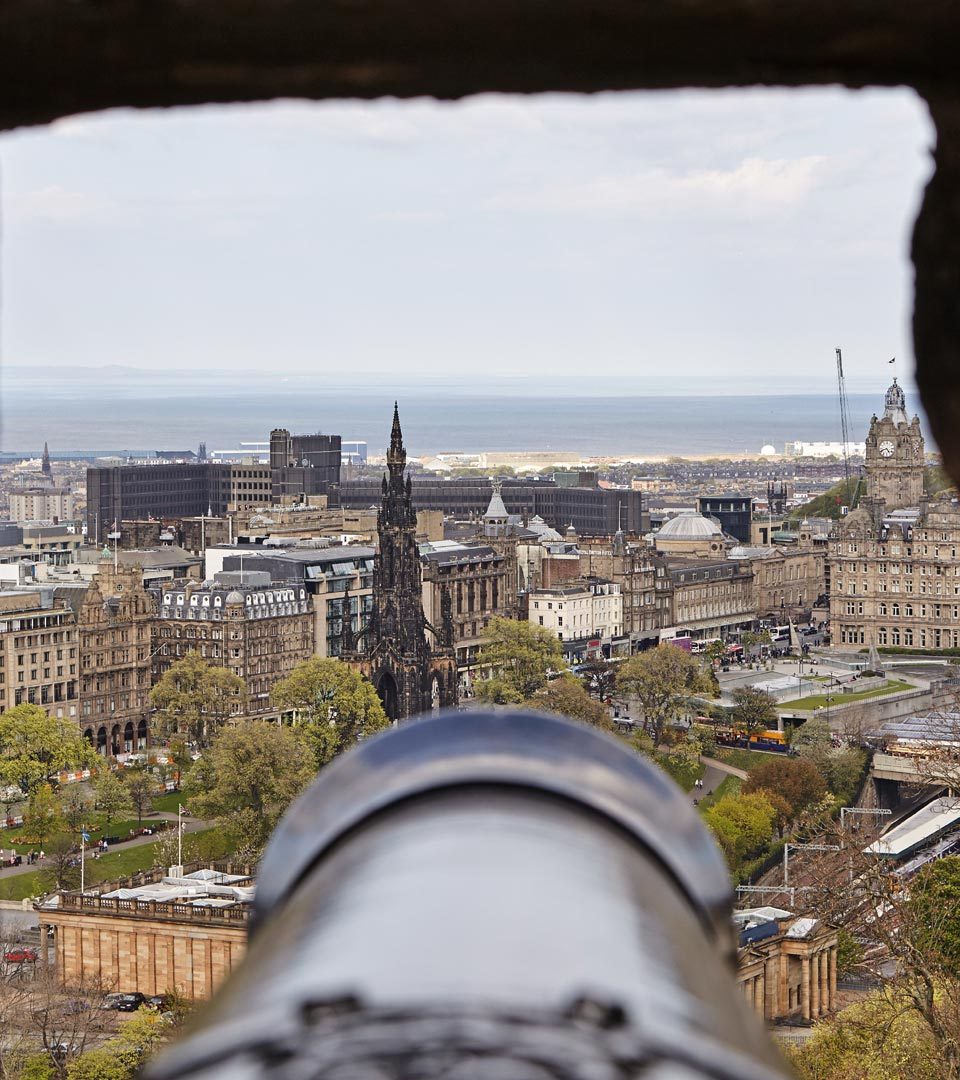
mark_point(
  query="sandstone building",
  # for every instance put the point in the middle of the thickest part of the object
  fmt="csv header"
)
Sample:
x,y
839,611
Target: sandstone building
x,y
786,966
704,598
39,660
258,629
894,562
154,933
113,635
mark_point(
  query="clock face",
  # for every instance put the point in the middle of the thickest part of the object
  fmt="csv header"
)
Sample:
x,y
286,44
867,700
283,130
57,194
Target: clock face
x,y
886,448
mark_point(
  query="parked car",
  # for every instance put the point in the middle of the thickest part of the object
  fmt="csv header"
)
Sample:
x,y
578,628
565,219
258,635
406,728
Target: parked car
x,y
124,1002
160,1002
21,955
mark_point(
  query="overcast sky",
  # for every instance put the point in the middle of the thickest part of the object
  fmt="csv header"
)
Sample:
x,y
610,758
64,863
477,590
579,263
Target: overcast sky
x,y
746,232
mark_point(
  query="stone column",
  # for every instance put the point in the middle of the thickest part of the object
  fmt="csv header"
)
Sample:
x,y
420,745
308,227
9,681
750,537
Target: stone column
x,y
825,981
832,979
814,986
758,993
772,1007
805,988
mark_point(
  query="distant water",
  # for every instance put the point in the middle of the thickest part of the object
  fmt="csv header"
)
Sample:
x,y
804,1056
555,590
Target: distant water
x,y
130,416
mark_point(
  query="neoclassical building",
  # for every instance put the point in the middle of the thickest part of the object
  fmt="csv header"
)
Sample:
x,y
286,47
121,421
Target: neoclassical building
x,y
894,567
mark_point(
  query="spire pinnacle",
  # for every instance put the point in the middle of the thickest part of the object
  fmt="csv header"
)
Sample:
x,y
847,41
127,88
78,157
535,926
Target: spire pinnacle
x,y
397,455
45,464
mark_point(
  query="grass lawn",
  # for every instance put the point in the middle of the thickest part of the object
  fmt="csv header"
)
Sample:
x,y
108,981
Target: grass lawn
x,y
168,802
820,701
729,785
118,864
11,838
740,758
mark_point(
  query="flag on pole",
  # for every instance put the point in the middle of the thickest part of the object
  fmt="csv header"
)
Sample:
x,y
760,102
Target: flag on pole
x,y
86,836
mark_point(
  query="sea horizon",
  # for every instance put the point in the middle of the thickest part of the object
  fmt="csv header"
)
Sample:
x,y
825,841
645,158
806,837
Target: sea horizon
x,y
134,416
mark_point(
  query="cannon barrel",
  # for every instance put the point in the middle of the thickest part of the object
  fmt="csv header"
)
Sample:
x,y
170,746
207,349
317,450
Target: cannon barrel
x,y
499,895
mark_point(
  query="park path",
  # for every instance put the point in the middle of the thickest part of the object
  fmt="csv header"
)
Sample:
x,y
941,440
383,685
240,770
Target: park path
x,y
724,767
190,825
712,778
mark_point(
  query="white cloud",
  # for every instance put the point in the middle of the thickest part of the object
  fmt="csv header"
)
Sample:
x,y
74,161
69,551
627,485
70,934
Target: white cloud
x,y
753,188
57,205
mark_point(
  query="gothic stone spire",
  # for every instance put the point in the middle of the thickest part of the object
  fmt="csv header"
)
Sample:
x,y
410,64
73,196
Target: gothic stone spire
x,y
45,465
396,455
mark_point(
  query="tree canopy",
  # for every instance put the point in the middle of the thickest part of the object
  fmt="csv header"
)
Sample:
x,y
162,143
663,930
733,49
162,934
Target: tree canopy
x,y
35,746
520,657
248,778
335,705
742,824
663,680
934,909
112,796
796,781
567,696
195,699
754,710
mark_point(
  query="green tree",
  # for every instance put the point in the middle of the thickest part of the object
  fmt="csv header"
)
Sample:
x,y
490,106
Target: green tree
x,y
600,677
753,710
568,697
76,807
195,699
520,657
876,1039
112,797
796,781
142,786
335,705
248,778
934,914
180,758
42,817
663,680
742,824
63,867
121,1058
716,651
844,770
34,747
813,742
750,638
850,952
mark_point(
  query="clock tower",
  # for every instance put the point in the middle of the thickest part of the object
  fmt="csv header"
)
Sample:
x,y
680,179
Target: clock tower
x,y
894,455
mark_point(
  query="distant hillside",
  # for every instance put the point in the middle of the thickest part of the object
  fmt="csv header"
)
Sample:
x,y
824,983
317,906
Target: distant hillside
x,y
935,479
828,504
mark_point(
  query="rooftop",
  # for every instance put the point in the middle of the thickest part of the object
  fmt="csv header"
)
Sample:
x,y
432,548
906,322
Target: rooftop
x,y
689,526
925,825
219,892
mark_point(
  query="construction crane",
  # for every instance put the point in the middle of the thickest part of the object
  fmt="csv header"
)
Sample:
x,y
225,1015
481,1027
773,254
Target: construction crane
x,y
844,428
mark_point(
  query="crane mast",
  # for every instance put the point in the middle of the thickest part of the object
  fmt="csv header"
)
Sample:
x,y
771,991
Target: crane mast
x,y
844,429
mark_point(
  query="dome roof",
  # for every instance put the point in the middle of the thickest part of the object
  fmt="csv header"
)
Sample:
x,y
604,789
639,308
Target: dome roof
x,y
235,597
689,526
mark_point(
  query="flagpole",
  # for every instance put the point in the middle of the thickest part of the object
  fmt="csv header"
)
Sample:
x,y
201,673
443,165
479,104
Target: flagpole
x,y
82,849
179,837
